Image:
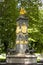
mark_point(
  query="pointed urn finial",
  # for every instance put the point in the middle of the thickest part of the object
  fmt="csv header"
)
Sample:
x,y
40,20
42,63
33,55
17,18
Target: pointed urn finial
x,y
22,11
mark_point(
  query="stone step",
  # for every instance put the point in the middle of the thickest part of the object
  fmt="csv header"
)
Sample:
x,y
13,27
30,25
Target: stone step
x,y
4,63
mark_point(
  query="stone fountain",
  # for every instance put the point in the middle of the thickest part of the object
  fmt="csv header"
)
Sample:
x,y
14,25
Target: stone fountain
x,y
21,55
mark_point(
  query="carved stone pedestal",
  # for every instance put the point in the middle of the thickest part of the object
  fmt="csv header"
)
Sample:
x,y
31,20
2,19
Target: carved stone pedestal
x,y
21,59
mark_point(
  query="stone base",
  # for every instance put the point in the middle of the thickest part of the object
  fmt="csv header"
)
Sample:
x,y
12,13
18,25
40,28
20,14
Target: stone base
x,y
20,64
23,59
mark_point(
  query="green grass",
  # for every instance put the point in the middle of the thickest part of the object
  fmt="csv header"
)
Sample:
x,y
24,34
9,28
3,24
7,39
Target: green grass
x,y
2,58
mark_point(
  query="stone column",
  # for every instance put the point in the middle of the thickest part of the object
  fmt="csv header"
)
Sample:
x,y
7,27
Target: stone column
x,y
22,34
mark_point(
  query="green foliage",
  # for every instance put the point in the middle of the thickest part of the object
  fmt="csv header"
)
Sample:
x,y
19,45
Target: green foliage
x,y
35,26
8,22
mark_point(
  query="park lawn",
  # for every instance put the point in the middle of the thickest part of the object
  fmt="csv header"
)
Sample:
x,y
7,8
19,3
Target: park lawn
x,y
2,57
39,56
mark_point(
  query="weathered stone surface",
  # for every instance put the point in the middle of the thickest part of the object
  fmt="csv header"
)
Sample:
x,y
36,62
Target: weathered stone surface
x,y
22,58
21,64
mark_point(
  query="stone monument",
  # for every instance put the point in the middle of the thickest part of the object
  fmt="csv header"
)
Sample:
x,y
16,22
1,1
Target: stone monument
x,y
21,56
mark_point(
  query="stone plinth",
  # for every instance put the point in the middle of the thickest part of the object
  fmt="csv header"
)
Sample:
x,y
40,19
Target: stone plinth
x,y
25,59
